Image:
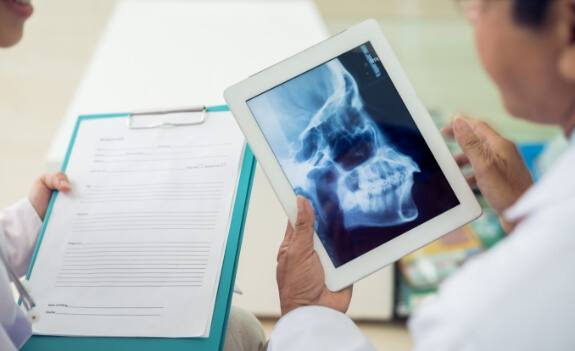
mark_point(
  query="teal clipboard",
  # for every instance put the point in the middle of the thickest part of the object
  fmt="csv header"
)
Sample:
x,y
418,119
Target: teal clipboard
x,y
225,289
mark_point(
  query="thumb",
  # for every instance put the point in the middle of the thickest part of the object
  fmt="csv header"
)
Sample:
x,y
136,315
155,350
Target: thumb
x,y
286,241
468,140
304,223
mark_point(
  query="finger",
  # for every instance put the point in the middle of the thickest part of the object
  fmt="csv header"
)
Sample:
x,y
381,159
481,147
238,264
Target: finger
x,y
471,180
286,241
289,233
281,253
63,183
483,130
462,160
340,300
48,181
348,291
447,131
469,142
304,223
56,181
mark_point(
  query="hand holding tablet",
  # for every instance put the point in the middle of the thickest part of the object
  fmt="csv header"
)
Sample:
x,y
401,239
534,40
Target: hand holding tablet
x,y
341,125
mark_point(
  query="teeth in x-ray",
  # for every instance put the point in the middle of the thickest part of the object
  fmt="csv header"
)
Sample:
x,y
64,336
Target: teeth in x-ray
x,y
381,195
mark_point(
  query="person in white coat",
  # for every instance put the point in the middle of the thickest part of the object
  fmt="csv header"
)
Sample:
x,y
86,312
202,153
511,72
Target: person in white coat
x,y
520,295
20,225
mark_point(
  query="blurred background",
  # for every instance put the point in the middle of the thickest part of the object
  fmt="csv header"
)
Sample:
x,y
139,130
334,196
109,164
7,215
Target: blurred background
x,y
89,56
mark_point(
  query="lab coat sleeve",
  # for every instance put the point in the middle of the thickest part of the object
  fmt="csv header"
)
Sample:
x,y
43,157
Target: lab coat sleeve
x,y
317,328
433,329
20,224
5,341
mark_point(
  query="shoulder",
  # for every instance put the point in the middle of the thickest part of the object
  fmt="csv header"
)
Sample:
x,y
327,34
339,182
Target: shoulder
x,y
522,285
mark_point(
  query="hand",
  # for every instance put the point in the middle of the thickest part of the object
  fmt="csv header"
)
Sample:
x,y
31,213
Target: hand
x,y
42,190
498,169
300,276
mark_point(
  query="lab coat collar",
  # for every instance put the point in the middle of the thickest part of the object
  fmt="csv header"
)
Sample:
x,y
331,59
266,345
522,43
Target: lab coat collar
x,y
553,187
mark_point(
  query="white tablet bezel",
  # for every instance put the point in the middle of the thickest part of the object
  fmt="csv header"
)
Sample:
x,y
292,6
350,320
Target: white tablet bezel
x,y
368,31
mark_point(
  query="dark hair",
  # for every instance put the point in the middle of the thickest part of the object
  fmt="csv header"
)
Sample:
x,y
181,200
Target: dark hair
x,y
531,12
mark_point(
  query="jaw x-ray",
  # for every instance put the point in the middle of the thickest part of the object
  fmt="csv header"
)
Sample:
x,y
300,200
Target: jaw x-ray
x,y
346,141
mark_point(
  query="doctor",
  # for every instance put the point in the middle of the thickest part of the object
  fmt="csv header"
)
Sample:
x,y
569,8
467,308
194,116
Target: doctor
x,y
20,225
521,294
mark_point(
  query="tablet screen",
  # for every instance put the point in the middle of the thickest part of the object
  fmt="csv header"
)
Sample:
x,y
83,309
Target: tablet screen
x,y
346,141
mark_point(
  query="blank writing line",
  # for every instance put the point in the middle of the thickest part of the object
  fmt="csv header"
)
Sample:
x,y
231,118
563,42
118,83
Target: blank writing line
x,y
139,255
160,147
128,225
190,251
147,221
106,314
153,198
130,276
128,286
102,159
127,247
128,268
146,214
168,169
140,153
103,262
137,243
138,191
148,195
131,282
138,229
120,261
111,307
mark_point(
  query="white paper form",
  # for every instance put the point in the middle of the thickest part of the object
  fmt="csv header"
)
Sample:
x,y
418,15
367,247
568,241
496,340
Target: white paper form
x,y
136,249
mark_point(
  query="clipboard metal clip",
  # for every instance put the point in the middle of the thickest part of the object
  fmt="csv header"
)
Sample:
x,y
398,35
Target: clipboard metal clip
x,y
168,118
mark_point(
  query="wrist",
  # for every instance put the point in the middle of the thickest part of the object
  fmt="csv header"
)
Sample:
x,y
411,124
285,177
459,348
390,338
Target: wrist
x,y
288,305
506,225
286,308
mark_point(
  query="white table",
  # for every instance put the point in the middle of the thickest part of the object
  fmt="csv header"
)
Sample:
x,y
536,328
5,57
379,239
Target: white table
x,y
167,53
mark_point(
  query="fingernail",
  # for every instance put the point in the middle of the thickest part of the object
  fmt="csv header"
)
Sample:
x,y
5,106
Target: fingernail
x,y
461,126
300,204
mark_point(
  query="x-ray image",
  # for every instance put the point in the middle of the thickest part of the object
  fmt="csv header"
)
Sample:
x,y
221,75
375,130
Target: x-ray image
x,y
346,141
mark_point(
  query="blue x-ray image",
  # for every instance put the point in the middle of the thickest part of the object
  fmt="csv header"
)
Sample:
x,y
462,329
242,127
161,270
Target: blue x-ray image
x,y
346,141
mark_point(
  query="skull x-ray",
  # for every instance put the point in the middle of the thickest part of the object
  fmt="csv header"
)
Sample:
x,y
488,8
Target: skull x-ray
x,y
346,141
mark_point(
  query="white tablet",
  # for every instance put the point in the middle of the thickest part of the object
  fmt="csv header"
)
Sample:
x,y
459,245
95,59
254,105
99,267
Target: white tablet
x,y
340,124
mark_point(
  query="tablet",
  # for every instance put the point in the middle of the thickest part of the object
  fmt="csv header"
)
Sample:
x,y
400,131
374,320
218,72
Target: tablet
x,y
340,124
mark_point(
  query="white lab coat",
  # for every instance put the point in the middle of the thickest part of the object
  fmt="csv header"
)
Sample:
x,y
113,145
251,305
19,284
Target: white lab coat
x,y
19,228
520,295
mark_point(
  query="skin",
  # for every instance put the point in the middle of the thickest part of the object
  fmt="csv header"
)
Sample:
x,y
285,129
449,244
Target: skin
x,y
297,259
11,26
534,70
42,190
532,67
11,30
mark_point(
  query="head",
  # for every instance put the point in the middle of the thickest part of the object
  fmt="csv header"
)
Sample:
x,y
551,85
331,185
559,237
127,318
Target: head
x,y
342,148
13,15
528,49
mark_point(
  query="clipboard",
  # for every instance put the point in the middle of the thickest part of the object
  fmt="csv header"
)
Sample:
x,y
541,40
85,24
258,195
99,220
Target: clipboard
x,y
216,339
